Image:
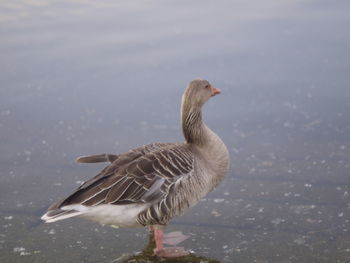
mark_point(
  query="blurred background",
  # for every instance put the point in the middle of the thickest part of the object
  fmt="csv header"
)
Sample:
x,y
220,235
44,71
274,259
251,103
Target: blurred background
x,y
86,77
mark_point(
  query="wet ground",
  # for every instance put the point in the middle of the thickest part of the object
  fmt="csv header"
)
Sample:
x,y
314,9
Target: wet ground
x,y
100,76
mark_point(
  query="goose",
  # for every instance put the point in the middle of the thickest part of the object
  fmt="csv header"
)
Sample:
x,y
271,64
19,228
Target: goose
x,y
151,184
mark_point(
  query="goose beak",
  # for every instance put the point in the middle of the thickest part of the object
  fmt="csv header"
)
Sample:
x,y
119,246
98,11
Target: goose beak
x,y
215,91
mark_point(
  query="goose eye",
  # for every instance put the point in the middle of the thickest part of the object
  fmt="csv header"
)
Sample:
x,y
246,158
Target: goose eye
x,y
207,86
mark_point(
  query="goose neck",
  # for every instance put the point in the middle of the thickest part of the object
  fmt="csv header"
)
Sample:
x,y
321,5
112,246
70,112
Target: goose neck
x,y
193,128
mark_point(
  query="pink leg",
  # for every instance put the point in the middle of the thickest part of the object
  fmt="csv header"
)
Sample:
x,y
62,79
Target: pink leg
x,y
168,252
158,238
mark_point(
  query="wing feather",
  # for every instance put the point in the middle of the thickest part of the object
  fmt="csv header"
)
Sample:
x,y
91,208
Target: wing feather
x,y
141,175
118,190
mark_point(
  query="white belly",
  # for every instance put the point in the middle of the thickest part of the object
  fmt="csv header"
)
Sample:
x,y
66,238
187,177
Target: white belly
x,y
106,214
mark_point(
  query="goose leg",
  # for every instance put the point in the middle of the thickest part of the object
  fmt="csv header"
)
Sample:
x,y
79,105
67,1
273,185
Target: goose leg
x,y
167,252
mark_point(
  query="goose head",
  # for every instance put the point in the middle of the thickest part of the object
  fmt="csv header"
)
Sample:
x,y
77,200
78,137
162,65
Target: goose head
x,y
197,93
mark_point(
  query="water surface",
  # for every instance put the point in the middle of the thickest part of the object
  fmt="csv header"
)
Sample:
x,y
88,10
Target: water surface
x,y
86,77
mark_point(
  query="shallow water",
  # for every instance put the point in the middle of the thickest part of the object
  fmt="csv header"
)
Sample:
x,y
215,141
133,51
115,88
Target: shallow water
x,y
86,77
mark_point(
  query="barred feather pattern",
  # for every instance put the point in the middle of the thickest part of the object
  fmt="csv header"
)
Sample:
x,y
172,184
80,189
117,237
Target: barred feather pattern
x,y
191,126
179,194
155,174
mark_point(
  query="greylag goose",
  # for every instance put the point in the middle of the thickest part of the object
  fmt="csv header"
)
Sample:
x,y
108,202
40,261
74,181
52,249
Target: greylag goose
x,y
149,185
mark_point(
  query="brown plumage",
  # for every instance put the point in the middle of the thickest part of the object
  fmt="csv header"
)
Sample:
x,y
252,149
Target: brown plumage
x,y
151,184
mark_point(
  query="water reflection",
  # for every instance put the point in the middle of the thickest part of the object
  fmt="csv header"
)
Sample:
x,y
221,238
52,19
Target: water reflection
x,y
147,255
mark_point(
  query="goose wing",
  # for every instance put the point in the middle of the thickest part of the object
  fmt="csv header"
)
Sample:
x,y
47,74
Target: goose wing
x,y
107,157
118,161
97,158
140,176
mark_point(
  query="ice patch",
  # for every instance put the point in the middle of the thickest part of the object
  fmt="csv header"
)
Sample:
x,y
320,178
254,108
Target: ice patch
x,y
299,241
277,221
21,250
